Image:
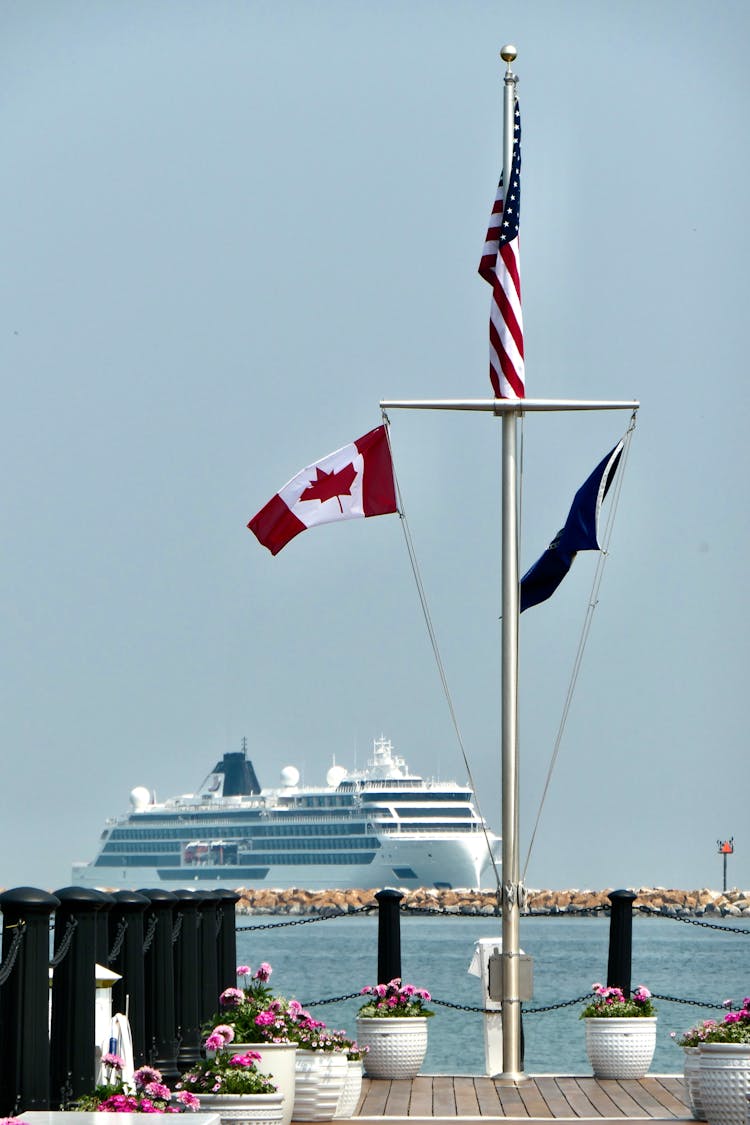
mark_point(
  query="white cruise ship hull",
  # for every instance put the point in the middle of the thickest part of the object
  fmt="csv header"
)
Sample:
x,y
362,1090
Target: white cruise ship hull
x,y
451,863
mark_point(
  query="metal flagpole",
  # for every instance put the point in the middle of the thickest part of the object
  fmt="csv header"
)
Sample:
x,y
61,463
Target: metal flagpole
x,y
508,410
511,1010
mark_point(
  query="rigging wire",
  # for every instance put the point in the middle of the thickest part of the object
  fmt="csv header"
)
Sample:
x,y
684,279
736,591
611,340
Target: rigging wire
x,y
435,648
586,629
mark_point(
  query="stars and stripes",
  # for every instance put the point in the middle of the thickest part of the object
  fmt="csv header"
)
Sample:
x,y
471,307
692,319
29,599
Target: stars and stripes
x,y
500,266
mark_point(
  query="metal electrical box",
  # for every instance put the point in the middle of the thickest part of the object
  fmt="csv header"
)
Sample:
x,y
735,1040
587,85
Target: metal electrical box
x,y
525,977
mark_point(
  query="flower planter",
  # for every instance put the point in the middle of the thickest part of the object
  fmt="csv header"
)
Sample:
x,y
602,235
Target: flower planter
x,y
277,1060
724,1079
352,1090
691,1073
235,1109
397,1046
620,1047
319,1081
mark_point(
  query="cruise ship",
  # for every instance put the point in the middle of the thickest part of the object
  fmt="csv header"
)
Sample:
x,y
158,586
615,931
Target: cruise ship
x,y
382,826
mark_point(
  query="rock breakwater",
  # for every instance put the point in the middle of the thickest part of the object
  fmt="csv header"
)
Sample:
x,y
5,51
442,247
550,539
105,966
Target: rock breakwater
x,y
657,900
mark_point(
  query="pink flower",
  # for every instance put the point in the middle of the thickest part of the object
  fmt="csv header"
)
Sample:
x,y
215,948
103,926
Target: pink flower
x,y
116,1061
263,1019
264,971
188,1100
159,1090
231,998
243,970
146,1074
248,1059
214,1042
225,1031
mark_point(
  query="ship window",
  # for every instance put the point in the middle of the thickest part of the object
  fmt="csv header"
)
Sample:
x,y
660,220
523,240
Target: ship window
x,y
404,873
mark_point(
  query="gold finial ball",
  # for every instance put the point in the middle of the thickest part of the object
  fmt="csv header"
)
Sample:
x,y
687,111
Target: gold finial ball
x,y
508,53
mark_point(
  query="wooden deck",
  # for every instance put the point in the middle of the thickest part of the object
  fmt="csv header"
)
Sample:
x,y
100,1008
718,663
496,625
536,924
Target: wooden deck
x,y
541,1098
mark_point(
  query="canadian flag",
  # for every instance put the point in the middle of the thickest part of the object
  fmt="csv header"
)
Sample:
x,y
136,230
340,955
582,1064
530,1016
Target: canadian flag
x,y
355,481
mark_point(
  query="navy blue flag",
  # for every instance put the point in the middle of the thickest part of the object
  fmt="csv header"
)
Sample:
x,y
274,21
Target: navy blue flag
x,y
580,533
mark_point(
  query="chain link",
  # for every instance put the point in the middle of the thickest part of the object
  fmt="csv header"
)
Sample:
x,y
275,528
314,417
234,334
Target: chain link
x,y
651,910
694,1003
333,1000
7,966
307,921
65,944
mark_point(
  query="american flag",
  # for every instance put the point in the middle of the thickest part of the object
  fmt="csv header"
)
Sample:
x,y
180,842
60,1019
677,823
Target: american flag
x,y
500,266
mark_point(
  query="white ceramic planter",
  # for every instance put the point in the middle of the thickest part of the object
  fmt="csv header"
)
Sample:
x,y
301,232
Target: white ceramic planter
x,y
237,1109
620,1048
352,1090
277,1060
319,1081
691,1073
724,1078
397,1046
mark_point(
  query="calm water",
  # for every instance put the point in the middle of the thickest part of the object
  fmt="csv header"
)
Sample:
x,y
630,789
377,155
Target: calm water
x,y
321,960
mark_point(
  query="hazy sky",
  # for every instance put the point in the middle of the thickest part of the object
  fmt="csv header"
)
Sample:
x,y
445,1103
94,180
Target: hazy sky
x,y
230,229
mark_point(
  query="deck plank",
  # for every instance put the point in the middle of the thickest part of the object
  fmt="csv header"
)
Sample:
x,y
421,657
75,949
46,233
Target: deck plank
x,y
467,1102
599,1097
541,1099
548,1087
674,1087
443,1097
626,1105
534,1101
399,1098
574,1092
511,1102
421,1097
489,1104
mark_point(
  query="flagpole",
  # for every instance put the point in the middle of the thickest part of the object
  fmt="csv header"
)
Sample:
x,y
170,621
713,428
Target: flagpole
x,y
511,1010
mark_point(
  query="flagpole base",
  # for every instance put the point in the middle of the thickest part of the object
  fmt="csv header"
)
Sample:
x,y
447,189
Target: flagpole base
x,y
511,1078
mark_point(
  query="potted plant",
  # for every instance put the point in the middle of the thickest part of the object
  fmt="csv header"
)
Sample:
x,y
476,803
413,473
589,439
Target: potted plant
x,y
392,1025
230,1084
724,1067
148,1092
322,1066
250,1016
620,1032
690,1042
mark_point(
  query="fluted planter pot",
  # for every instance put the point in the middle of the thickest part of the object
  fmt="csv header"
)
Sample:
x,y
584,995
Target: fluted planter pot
x,y
277,1060
236,1109
691,1073
352,1090
397,1046
319,1081
724,1079
620,1047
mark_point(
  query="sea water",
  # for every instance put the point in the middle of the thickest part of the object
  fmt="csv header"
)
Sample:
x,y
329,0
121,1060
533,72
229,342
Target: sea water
x,y
323,959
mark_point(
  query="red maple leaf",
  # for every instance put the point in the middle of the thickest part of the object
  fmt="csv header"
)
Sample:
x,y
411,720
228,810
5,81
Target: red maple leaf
x,y
326,486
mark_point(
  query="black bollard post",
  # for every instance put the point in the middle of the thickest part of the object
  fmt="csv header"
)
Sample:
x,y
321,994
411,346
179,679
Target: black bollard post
x,y
161,1032
227,939
24,1000
73,1030
620,940
187,980
209,975
389,935
129,993
101,923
